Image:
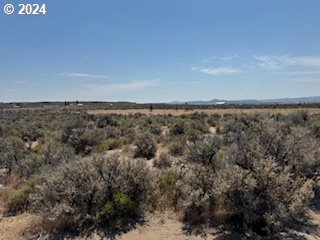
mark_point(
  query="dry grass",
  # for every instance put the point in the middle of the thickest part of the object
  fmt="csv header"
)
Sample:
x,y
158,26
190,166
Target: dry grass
x,y
24,226
208,111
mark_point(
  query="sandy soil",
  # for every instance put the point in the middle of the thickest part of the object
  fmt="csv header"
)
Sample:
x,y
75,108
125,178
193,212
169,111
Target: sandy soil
x,y
167,227
208,111
21,227
158,227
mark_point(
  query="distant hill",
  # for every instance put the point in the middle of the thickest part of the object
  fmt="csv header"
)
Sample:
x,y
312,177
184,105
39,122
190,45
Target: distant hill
x,y
303,100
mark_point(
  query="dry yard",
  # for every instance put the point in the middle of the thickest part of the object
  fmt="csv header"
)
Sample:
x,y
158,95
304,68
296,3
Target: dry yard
x,y
165,225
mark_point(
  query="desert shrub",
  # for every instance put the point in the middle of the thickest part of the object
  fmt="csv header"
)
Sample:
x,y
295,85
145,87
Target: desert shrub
x,y
178,128
168,180
163,161
15,200
171,190
116,143
316,200
199,126
252,137
196,196
107,120
279,159
260,174
315,128
205,151
264,199
129,135
109,144
150,124
121,206
83,139
197,116
145,146
155,129
11,153
95,191
112,132
213,120
31,131
55,153
299,118
16,159
176,147
193,135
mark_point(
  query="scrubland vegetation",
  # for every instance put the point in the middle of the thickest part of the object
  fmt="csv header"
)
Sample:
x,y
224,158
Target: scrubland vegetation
x,y
81,173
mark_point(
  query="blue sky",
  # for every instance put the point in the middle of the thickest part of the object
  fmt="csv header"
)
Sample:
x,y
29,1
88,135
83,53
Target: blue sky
x,y
159,51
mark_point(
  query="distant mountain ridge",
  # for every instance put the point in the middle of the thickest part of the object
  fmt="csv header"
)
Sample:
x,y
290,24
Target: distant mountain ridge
x,y
302,100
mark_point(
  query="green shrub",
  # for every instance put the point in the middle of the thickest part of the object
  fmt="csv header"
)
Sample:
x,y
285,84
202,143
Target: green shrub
x,y
155,129
95,191
176,148
107,120
167,180
12,153
199,126
261,174
265,199
109,144
171,190
145,146
120,206
178,128
213,120
83,139
15,200
205,151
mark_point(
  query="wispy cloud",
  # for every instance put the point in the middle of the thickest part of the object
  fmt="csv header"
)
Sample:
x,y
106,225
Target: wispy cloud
x,y
218,59
209,59
294,73
278,62
85,75
122,87
216,70
229,58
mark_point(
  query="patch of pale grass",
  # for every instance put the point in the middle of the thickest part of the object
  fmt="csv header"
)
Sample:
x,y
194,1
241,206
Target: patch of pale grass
x,y
24,226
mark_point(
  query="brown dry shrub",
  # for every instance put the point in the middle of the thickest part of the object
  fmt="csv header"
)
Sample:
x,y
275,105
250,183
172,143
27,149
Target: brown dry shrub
x,y
15,200
162,162
262,173
146,146
95,191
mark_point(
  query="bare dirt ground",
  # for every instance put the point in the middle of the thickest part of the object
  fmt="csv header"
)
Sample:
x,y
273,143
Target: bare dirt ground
x,y
20,227
208,111
158,226
163,227
166,227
